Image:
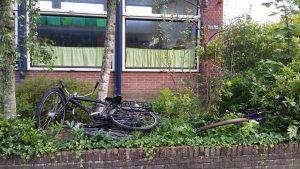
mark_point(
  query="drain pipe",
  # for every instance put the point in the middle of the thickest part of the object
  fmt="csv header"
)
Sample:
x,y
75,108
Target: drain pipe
x,y
118,48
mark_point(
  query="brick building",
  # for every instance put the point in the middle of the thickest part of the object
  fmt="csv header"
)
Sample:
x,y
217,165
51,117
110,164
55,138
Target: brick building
x,y
153,38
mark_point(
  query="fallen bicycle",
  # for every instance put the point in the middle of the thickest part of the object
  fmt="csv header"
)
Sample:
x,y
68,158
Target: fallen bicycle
x,y
124,115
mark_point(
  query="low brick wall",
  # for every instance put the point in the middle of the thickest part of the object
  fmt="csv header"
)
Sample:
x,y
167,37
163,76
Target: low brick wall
x,y
281,156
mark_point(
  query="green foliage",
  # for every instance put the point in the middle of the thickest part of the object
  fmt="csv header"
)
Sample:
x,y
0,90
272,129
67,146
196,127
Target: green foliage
x,y
246,43
1,105
270,85
286,33
292,130
214,51
18,137
180,104
30,92
40,49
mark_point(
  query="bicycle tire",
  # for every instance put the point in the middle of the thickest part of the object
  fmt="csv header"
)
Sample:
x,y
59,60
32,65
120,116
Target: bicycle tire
x,y
223,123
124,125
52,115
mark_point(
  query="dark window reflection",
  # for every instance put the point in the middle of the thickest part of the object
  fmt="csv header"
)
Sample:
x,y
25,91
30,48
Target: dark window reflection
x,y
160,34
180,7
73,31
160,45
78,41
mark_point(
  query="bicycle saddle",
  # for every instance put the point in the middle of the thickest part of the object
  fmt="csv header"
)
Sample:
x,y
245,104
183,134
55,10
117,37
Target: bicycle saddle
x,y
116,99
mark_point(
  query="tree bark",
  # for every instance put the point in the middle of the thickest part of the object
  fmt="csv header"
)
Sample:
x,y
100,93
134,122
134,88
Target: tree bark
x,y
9,97
8,59
109,49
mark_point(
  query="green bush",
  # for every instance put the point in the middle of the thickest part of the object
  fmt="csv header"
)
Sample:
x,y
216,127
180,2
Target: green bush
x,y
270,85
19,137
1,105
246,43
181,104
30,91
214,51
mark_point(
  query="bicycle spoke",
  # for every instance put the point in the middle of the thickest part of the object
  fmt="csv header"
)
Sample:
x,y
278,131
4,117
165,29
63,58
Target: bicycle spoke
x,y
134,117
56,102
48,121
51,109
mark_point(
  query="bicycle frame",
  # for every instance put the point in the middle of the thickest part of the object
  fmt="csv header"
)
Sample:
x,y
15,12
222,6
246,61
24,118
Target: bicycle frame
x,y
75,101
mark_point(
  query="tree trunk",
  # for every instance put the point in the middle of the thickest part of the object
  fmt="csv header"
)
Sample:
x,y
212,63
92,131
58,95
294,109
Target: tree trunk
x,y
8,58
109,49
8,88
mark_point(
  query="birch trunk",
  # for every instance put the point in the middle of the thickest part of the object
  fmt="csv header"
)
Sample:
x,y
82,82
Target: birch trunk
x,y
8,90
7,59
108,50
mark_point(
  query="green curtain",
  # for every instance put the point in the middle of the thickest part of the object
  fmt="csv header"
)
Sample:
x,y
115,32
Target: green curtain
x,y
78,56
135,58
72,21
158,58
53,20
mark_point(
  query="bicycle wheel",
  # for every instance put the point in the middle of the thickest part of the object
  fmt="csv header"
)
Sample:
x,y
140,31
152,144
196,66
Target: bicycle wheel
x,y
134,119
51,109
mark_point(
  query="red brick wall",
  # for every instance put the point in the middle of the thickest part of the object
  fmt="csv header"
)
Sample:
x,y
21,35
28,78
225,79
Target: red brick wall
x,y
135,85
213,15
148,84
284,156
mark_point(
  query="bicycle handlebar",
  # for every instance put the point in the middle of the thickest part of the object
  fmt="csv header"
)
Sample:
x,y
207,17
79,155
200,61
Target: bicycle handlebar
x,y
63,85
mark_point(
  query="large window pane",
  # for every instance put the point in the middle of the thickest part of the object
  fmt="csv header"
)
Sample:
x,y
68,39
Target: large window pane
x,y
76,6
160,44
78,41
149,7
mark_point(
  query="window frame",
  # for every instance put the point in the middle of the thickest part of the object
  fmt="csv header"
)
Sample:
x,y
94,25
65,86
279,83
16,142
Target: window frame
x,y
125,16
158,17
68,68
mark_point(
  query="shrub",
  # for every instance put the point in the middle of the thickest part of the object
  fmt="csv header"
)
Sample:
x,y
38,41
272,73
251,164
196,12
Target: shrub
x,y
214,51
181,104
18,137
270,85
30,91
1,103
246,43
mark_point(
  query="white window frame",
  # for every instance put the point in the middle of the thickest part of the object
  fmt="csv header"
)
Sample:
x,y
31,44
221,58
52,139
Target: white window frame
x,y
126,15
87,69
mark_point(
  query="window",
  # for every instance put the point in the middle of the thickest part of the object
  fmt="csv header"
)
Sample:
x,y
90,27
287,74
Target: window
x,y
78,41
152,44
86,6
160,34
150,7
157,34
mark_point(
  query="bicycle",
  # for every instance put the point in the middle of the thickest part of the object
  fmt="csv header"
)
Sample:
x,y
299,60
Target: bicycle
x,y
56,101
